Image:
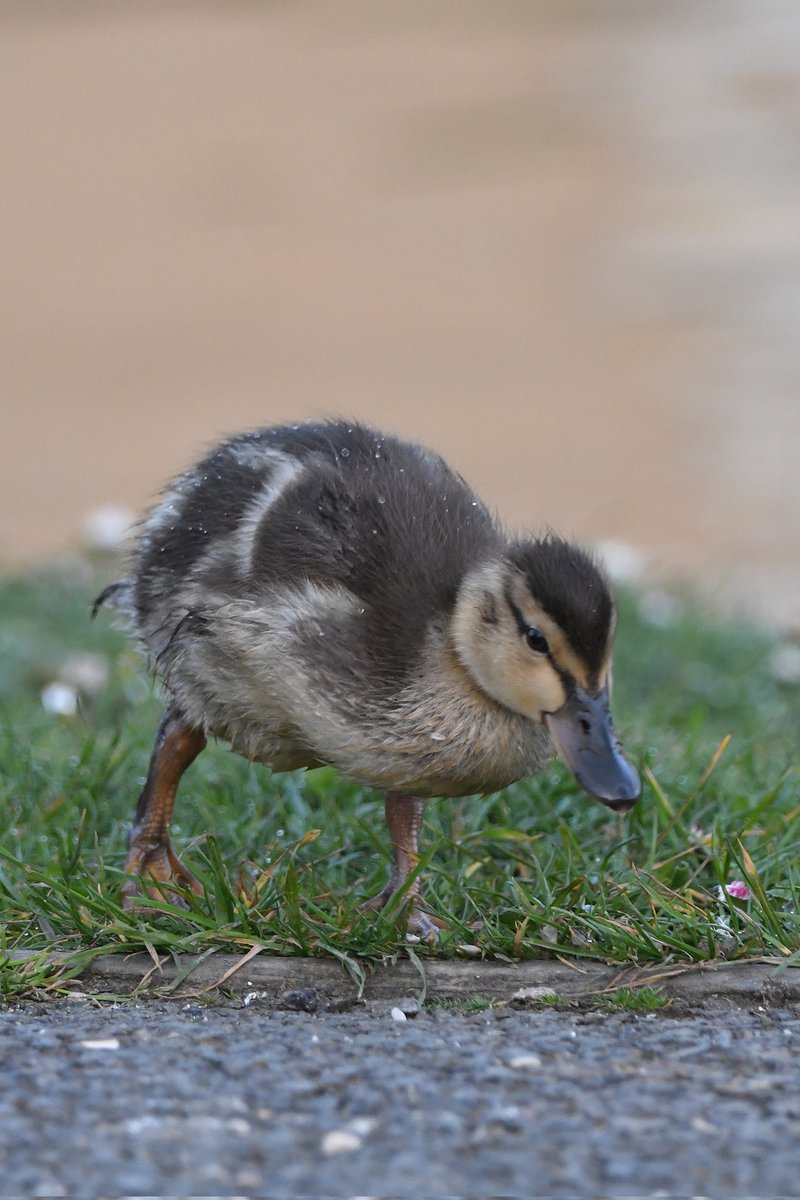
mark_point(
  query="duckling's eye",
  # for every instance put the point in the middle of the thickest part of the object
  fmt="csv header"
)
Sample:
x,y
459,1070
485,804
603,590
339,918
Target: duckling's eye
x,y
537,641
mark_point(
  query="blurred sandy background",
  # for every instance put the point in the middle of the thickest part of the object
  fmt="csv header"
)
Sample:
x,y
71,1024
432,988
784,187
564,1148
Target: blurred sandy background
x,y
559,241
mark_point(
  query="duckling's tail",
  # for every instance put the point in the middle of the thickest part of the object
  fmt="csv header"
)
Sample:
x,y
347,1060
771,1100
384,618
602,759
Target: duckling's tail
x,y
113,593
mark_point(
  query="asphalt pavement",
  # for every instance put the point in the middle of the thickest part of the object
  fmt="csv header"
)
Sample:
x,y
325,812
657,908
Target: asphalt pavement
x,y
170,1099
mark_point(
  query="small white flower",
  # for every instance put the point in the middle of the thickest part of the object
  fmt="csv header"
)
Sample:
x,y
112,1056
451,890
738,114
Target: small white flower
x,y
107,528
624,563
659,608
784,663
85,672
60,698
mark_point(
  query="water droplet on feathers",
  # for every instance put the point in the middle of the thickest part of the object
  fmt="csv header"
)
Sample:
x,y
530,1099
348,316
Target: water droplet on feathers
x,y
345,453
381,499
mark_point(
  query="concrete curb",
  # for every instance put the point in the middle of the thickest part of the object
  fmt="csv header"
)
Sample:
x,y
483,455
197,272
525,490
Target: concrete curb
x,y
269,978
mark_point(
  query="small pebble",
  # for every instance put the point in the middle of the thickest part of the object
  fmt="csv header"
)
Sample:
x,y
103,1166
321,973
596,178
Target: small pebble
x,y
252,997
46,1185
300,1000
525,1062
470,951
530,995
249,1179
342,1004
397,1014
338,1141
111,1043
361,1126
409,1006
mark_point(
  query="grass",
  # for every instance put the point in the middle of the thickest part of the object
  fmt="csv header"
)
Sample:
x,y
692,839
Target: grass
x,y
469,1005
643,999
285,860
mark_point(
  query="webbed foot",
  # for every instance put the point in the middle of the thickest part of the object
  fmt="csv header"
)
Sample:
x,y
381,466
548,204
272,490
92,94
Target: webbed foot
x,y
418,922
157,862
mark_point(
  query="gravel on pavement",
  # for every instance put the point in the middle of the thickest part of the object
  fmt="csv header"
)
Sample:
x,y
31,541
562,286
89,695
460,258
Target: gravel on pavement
x,y
161,1099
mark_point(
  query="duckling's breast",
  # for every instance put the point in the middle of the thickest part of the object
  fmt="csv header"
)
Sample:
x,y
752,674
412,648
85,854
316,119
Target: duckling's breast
x,y
443,737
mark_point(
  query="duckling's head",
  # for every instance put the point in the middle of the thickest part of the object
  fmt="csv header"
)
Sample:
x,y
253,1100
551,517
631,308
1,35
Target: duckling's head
x,y
534,628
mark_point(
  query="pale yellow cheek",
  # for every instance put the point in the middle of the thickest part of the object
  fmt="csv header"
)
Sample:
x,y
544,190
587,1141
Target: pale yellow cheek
x,y
535,689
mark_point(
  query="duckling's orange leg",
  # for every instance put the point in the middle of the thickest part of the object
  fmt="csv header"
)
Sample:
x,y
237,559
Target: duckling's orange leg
x,y
149,851
404,817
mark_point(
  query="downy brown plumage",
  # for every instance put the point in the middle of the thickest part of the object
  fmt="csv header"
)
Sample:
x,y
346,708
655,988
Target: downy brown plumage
x,y
323,593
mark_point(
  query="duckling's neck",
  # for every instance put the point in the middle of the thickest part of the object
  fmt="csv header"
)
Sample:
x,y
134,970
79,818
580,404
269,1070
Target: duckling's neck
x,y
457,739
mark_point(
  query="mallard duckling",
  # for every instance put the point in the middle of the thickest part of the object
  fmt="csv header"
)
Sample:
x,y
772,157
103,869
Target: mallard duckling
x,y
326,594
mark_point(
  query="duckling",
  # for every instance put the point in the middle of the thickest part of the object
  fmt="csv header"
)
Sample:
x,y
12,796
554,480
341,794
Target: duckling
x,y
327,594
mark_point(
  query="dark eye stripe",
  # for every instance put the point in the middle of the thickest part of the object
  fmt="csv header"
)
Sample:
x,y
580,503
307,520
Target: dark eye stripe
x,y
536,640
522,624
